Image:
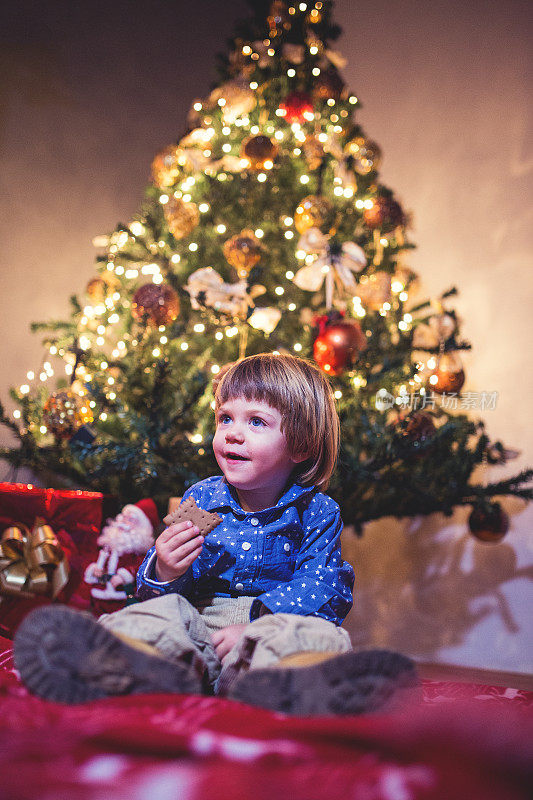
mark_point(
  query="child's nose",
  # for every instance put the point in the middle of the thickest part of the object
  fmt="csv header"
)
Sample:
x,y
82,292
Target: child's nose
x,y
235,435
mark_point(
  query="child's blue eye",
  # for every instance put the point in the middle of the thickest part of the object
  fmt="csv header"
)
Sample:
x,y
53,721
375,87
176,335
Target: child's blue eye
x,y
258,420
223,417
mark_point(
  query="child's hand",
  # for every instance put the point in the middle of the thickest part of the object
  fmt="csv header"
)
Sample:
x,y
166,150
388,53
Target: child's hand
x,y
176,548
226,638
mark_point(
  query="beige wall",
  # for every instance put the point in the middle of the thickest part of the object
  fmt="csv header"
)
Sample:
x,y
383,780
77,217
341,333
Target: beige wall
x,y
446,92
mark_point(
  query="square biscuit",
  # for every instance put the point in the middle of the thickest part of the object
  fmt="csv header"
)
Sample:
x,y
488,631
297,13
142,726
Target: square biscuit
x,y
188,510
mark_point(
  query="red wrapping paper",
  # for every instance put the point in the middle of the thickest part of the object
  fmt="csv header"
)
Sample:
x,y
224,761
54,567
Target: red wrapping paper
x,y
76,517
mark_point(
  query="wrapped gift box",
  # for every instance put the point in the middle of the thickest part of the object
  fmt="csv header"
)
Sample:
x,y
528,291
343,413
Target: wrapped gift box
x,y
76,518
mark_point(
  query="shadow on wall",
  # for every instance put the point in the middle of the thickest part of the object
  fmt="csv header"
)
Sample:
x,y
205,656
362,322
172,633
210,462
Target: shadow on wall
x,y
423,584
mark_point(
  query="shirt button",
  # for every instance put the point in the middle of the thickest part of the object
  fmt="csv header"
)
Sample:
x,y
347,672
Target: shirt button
x,y
239,586
246,545
254,521
286,547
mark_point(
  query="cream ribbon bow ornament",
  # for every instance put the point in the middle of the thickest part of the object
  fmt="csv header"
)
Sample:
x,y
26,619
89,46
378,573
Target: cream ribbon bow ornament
x,y
207,288
335,264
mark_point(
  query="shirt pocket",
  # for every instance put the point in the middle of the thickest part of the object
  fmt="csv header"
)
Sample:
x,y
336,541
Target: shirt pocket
x,y
280,551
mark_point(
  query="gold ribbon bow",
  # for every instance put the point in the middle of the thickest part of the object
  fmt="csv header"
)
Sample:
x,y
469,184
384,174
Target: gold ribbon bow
x,y
32,563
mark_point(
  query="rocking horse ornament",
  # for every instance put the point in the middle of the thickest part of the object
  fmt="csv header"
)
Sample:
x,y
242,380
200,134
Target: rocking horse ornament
x,y
124,541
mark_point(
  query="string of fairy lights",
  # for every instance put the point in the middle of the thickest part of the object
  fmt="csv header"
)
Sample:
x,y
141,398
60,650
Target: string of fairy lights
x,y
99,321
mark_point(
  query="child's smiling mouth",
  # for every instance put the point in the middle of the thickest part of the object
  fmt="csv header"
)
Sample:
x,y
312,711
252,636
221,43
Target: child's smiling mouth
x,y
235,457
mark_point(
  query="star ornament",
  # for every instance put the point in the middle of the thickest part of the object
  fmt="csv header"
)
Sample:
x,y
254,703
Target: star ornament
x,y
335,264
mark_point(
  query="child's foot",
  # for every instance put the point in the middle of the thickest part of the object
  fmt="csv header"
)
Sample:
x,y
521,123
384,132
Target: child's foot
x,y
349,683
66,656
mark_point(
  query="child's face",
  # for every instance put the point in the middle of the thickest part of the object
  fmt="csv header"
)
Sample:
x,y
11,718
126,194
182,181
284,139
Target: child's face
x,y
249,446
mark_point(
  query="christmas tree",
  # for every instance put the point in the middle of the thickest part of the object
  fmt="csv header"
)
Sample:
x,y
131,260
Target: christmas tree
x,y
265,228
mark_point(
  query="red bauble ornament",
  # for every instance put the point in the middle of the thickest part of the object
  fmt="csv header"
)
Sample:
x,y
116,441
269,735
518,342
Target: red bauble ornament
x,y
488,524
157,305
419,427
339,347
296,105
258,150
385,214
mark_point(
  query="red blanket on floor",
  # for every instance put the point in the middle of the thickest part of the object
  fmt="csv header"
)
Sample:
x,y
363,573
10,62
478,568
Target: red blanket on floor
x,y
464,742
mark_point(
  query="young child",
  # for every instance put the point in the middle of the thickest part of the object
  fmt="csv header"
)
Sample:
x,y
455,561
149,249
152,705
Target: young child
x,y
253,610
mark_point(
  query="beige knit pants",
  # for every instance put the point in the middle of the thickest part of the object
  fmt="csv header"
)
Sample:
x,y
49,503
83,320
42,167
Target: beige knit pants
x,y
173,626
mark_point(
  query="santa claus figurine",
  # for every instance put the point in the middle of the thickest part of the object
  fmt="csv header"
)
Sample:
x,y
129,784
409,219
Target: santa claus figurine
x,y
125,541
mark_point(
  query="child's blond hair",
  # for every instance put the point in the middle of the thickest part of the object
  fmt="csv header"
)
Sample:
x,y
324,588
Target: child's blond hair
x,y
303,396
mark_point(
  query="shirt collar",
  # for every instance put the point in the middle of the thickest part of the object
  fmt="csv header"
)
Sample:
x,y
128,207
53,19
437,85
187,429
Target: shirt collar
x,y
224,497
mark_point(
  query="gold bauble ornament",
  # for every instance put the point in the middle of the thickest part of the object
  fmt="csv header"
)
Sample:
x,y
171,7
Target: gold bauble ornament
x,y
166,168
182,218
315,211
243,251
258,150
64,413
329,84
155,304
448,375
100,288
366,154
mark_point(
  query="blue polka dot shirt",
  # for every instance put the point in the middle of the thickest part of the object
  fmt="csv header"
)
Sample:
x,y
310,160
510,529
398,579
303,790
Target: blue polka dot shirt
x,y
287,556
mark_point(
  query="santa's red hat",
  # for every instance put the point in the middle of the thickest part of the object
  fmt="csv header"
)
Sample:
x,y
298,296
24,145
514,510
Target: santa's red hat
x,y
149,508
